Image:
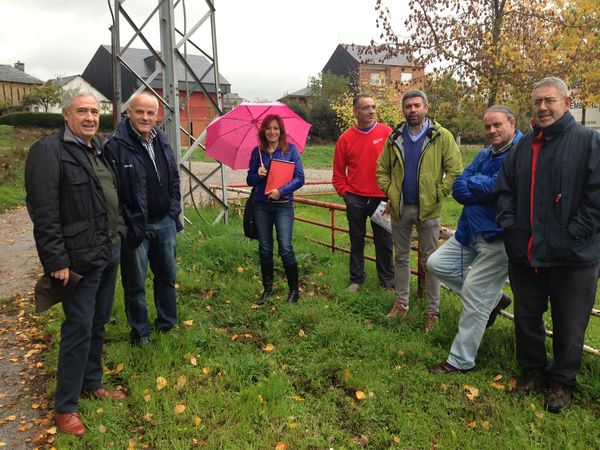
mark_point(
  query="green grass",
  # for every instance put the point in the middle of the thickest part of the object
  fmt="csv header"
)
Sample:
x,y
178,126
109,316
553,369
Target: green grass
x,y
14,146
326,348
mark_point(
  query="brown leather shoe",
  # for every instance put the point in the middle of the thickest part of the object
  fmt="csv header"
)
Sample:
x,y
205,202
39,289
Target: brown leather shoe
x,y
446,368
70,423
431,320
398,310
103,394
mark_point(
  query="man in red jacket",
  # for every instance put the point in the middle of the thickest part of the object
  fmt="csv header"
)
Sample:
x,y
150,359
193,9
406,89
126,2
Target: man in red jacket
x,y
354,163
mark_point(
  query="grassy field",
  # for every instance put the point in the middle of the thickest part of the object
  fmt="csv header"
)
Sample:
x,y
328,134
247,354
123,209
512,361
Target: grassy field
x,y
329,372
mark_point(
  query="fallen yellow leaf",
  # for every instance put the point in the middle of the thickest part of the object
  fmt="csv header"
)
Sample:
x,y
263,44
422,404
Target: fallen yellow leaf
x,y
297,398
401,353
206,370
100,411
119,368
179,409
292,425
472,424
512,384
197,420
148,417
51,430
360,395
472,392
102,428
161,383
181,380
35,405
539,415
269,348
2,444
147,397
498,386
234,337
397,439
486,425
188,323
261,400
301,333
347,375
11,417
281,446
240,269
497,378
193,361
444,387
533,407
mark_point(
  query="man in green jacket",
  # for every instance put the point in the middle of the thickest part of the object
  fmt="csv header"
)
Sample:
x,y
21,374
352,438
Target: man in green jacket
x,y
417,166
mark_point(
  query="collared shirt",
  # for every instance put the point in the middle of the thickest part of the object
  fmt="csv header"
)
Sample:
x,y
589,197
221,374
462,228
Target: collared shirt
x,y
416,136
148,145
502,149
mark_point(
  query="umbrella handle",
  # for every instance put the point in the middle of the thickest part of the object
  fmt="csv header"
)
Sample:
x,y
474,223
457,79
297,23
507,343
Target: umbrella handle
x,y
260,157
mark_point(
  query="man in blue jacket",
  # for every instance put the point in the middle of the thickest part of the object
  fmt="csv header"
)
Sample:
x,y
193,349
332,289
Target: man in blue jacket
x,y
473,262
549,208
149,191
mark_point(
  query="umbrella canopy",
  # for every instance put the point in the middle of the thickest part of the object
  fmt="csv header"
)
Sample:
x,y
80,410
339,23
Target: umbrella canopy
x,y
231,137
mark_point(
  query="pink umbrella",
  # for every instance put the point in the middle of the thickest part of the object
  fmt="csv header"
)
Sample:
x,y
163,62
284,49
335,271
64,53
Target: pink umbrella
x,y
231,137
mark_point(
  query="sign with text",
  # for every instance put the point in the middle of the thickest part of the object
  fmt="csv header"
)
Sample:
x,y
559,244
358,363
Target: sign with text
x,y
592,114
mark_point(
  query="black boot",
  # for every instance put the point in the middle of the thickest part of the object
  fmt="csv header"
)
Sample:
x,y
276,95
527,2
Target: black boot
x,y
291,273
267,282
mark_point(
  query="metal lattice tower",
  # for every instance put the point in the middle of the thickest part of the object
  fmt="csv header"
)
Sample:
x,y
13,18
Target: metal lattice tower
x,y
172,54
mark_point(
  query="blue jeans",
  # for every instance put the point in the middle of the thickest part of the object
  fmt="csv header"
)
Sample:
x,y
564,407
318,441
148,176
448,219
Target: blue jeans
x,y
478,273
267,214
82,335
158,248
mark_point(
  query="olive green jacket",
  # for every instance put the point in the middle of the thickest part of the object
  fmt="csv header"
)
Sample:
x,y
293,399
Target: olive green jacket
x,y
439,165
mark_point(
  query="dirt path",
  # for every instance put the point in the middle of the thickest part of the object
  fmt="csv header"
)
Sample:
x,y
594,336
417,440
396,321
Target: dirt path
x,y
24,416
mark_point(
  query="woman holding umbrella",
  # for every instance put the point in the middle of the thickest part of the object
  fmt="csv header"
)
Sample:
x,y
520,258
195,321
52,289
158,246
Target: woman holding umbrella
x,y
275,207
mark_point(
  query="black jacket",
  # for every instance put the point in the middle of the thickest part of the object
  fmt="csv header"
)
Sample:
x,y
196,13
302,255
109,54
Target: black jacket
x,y
67,205
128,153
566,201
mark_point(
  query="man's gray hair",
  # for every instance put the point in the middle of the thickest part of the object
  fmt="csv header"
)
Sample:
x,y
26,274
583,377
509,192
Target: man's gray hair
x,y
357,98
554,82
138,94
413,93
500,109
70,94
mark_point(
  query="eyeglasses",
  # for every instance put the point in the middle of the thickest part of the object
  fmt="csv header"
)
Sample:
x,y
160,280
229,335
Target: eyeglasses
x,y
84,112
547,100
367,107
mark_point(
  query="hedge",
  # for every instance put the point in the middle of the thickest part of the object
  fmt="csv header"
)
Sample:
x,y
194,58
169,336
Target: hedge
x,y
46,120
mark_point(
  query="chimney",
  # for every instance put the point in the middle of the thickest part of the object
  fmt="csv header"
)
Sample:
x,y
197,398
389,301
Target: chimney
x,y
20,66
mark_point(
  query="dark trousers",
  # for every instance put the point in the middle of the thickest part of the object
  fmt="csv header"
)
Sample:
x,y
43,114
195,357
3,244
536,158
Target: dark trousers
x,y
572,291
82,335
358,209
281,216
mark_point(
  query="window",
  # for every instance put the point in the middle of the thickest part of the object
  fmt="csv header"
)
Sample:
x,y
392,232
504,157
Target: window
x,y
377,78
406,77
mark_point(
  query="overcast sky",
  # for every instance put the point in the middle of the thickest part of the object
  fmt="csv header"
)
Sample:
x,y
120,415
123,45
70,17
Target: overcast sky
x,y
265,47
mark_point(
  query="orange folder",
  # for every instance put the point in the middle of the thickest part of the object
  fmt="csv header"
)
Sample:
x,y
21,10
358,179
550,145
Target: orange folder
x,y
280,173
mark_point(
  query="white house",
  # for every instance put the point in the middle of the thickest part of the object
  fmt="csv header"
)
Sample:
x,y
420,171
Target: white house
x,y
77,82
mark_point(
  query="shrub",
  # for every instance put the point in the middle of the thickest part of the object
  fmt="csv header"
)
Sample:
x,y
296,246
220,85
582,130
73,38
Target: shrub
x,y
45,120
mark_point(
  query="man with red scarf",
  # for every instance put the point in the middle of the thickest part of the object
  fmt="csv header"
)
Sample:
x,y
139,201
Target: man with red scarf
x,y
549,208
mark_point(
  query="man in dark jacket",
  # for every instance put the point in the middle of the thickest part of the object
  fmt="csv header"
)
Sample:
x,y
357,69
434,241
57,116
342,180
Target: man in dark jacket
x,y
549,207
473,262
73,203
149,191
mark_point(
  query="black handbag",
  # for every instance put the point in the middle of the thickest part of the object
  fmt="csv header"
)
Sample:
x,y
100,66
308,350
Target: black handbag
x,y
249,225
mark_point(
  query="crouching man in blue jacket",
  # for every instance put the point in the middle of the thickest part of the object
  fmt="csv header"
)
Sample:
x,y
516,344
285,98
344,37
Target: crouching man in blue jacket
x,y
473,262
